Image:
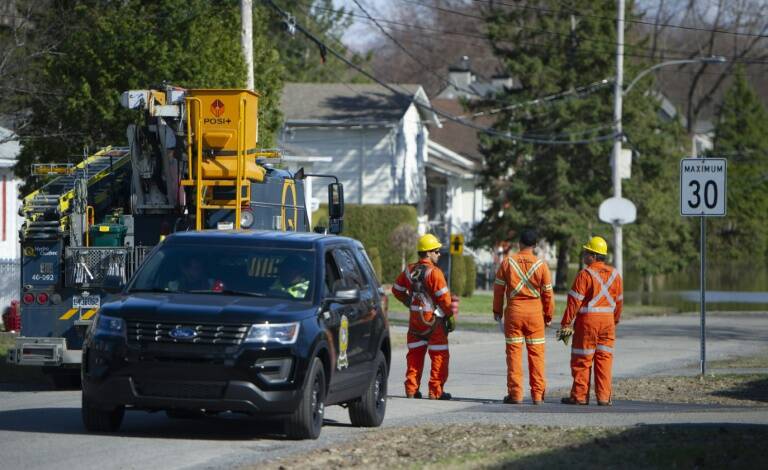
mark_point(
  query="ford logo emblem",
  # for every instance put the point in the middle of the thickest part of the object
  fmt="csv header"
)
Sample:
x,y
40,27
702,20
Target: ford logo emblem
x,y
181,332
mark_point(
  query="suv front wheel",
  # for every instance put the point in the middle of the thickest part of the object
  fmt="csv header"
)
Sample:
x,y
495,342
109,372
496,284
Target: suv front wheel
x,y
100,420
369,410
307,421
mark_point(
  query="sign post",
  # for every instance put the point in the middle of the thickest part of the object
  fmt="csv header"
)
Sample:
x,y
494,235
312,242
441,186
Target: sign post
x,y
703,186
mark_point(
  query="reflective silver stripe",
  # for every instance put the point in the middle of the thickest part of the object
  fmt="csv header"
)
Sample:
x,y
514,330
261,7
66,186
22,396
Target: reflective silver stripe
x,y
596,310
416,344
399,287
499,282
575,295
602,347
603,287
438,347
535,340
418,308
582,352
547,287
514,339
441,292
620,297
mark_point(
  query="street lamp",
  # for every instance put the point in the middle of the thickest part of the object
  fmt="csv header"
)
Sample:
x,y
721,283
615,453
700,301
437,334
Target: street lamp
x,y
619,92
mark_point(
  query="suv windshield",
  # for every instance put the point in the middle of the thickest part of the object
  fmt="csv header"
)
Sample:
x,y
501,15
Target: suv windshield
x,y
228,270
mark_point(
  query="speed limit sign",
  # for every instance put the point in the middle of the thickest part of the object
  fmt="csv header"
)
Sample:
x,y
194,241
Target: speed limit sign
x,y
703,186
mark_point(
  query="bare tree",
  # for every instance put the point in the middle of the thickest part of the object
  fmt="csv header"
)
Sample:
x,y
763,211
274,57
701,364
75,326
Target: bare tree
x,y
403,238
734,29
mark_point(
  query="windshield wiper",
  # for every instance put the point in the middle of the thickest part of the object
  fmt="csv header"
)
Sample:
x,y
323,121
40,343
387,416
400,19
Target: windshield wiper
x,y
226,292
153,289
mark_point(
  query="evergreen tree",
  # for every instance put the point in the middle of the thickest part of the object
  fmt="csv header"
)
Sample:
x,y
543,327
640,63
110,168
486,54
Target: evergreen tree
x,y
558,188
740,136
107,47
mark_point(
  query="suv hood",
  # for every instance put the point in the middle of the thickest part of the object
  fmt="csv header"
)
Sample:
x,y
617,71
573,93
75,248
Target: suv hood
x,y
206,308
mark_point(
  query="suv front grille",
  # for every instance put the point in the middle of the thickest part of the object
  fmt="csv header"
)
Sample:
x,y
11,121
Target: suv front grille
x,y
156,388
151,332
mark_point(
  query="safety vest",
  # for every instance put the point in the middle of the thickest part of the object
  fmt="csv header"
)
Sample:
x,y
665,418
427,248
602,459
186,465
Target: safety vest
x,y
520,283
423,311
602,301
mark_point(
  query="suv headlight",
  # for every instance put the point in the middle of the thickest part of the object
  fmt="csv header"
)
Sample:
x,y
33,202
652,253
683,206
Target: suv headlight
x,y
283,333
109,326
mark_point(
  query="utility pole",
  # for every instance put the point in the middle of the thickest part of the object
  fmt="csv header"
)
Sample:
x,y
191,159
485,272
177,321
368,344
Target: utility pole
x,y
615,176
246,39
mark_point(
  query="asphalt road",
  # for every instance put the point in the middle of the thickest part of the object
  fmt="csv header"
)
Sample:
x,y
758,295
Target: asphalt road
x,y
41,429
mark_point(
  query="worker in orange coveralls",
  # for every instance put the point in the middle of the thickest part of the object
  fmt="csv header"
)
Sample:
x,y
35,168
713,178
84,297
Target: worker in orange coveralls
x,y
422,288
595,301
526,283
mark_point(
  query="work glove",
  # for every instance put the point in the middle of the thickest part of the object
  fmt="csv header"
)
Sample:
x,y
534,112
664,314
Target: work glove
x,y
454,305
450,323
564,334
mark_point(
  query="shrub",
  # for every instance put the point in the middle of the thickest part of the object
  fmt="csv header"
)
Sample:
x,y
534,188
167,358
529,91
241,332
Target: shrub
x,y
373,225
375,255
458,278
470,274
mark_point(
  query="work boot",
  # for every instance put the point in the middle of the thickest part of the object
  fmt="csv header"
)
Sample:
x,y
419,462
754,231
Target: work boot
x,y
510,401
413,395
444,396
571,401
605,403
538,402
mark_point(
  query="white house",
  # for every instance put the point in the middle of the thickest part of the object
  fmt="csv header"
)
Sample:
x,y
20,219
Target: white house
x,y
10,221
378,143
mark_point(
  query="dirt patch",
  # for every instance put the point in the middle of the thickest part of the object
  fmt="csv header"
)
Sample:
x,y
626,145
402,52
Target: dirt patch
x,y
731,390
526,446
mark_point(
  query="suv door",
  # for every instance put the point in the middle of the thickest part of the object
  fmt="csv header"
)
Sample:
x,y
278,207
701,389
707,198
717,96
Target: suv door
x,y
360,323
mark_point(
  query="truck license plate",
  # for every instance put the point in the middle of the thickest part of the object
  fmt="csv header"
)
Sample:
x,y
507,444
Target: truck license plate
x,y
86,301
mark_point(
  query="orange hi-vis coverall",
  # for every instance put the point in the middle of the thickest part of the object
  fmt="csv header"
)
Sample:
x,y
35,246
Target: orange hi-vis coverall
x,y
425,332
526,283
595,301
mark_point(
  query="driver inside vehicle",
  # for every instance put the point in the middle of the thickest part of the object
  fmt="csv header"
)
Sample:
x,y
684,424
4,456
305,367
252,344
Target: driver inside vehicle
x,y
193,275
292,278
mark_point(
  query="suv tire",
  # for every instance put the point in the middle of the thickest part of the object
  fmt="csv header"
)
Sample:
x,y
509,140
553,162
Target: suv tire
x,y
369,410
307,421
100,420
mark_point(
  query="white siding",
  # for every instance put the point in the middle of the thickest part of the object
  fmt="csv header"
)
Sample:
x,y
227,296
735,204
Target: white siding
x,y
361,156
10,221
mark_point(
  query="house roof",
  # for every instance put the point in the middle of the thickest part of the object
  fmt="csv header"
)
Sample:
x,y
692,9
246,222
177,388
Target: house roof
x,y
459,138
9,149
347,103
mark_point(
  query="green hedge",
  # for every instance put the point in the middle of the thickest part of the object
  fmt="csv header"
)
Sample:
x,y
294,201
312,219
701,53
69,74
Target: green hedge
x,y
470,274
458,275
372,224
375,255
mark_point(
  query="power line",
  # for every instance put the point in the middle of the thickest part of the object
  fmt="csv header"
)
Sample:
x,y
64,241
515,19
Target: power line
x,y
413,57
490,131
666,25
411,27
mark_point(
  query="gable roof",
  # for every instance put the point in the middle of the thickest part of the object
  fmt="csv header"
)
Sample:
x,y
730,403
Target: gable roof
x,y
347,103
461,139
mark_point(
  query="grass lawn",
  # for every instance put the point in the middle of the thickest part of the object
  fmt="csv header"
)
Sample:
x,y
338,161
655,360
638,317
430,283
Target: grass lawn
x,y
478,309
479,445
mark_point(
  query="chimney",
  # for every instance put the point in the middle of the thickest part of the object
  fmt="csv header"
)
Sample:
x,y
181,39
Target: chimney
x,y
460,74
501,82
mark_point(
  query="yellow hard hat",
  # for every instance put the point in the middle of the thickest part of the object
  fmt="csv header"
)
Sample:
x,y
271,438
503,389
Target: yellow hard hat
x,y
597,245
428,242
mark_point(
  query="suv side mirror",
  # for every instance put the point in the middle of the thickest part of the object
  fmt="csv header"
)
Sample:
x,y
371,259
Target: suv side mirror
x,y
346,296
335,208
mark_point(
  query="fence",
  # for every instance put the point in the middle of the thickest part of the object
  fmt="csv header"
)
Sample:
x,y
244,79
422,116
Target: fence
x,y
10,281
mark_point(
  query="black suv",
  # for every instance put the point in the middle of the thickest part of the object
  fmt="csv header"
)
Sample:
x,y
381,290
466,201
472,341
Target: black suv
x,y
262,323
